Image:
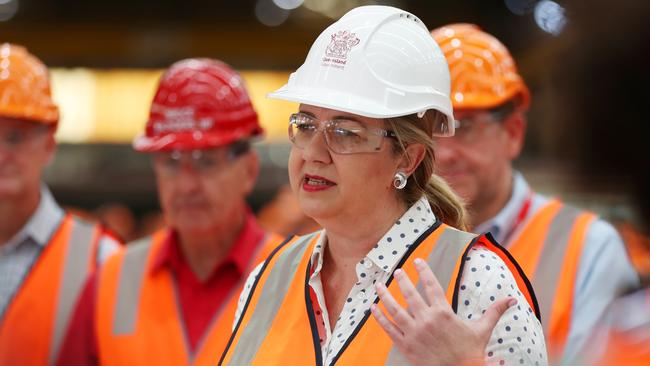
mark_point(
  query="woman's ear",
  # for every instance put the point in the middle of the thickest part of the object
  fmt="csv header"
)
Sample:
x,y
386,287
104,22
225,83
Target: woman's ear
x,y
411,158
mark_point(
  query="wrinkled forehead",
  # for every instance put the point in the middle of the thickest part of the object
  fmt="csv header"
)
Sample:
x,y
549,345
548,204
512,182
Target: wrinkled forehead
x,y
470,113
12,124
325,114
499,112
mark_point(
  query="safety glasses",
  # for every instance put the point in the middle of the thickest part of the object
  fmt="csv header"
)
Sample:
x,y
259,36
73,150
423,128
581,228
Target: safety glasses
x,y
471,127
205,161
17,138
342,136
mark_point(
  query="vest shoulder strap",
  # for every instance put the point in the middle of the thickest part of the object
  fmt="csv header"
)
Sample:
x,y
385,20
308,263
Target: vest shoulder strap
x,y
452,243
79,261
131,278
552,255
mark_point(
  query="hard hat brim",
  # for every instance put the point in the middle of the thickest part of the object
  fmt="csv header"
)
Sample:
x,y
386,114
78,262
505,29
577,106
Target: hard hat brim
x,y
341,101
520,96
191,140
345,102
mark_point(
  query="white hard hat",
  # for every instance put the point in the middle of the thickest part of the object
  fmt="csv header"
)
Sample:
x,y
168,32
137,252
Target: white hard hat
x,y
378,62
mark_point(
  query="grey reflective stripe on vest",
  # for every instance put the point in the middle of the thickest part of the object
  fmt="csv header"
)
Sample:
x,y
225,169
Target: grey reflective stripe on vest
x,y
76,266
128,286
551,258
442,261
273,292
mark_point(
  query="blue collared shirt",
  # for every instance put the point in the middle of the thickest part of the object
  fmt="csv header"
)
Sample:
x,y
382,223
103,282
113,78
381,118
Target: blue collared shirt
x,y
18,255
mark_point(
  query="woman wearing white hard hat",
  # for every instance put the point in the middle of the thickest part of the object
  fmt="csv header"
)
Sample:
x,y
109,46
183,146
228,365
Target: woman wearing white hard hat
x,y
373,92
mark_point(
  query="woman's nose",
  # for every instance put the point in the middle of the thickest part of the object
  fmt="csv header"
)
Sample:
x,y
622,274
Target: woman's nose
x,y
317,149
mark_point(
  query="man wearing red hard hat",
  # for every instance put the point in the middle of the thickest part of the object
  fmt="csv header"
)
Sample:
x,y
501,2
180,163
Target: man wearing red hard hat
x,y
170,298
46,253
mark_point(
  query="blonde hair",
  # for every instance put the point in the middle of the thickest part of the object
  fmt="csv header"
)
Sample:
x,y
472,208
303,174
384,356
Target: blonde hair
x,y
446,205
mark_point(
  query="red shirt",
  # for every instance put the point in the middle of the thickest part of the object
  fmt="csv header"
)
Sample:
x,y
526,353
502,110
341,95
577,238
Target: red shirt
x,y
199,300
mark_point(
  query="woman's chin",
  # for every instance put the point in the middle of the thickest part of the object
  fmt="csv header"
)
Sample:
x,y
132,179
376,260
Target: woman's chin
x,y
317,210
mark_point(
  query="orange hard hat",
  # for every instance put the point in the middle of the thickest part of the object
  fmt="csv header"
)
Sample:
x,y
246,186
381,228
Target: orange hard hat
x,y
483,73
25,87
200,103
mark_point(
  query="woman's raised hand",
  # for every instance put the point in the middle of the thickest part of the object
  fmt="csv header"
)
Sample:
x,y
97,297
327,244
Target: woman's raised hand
x,y
428,332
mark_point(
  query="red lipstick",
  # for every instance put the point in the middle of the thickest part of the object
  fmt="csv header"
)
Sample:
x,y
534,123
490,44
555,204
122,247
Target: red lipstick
x,y
315,183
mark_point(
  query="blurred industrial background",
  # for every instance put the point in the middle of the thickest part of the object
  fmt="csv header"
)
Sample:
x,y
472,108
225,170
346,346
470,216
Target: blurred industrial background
x,y
106,57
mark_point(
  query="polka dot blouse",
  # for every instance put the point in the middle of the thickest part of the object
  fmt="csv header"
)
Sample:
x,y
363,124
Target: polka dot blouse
x,y
517,338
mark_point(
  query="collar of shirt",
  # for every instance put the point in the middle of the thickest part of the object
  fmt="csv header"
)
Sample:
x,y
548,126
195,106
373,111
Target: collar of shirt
x,y
501,224
41,225
241,253
390,249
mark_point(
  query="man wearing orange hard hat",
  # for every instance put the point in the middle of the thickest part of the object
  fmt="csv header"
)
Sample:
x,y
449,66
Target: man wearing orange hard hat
x,y
170,298
46,254
577,262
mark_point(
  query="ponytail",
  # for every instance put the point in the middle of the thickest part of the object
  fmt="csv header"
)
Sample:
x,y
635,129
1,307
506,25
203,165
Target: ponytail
x,y
446,205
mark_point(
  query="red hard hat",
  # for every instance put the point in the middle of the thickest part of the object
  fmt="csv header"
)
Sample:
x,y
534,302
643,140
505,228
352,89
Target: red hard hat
x,y
199,104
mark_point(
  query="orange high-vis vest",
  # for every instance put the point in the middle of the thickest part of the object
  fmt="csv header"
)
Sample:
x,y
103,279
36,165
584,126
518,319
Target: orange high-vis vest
x,y
627,336
637,245
139,321
626,349
278,327
548,249
36,320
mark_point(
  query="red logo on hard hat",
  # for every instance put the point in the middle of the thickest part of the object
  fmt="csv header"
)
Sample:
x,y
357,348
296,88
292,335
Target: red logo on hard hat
x,y
342,42
336,53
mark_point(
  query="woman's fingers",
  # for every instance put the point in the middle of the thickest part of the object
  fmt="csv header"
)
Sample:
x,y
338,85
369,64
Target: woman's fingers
x,y
415,302
399,315
432,288
491,317
391,329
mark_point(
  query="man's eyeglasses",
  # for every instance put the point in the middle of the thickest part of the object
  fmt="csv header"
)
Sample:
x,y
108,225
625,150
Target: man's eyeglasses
x,y
205,161
470,127
16,138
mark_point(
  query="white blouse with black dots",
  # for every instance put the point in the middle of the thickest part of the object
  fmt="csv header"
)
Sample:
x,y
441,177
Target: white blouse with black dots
x,y
517,338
